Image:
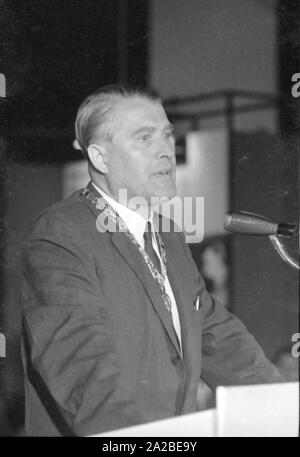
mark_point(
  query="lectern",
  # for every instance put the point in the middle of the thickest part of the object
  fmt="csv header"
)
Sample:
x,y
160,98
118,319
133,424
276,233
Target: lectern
x,y
264,410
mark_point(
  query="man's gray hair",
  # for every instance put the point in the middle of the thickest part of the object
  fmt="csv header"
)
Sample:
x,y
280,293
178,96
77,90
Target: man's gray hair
x,y
94,116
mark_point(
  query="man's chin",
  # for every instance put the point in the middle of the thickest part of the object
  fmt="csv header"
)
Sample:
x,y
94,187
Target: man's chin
x,y
158,198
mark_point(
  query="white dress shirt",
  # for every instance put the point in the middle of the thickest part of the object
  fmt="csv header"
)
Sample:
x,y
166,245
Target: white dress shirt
x,y
136,224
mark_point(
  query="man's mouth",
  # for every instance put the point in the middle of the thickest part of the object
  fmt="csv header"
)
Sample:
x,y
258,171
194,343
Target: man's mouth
x,y
165,172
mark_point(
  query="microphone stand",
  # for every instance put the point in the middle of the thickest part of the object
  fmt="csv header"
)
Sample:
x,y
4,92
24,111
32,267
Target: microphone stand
x,y
278,246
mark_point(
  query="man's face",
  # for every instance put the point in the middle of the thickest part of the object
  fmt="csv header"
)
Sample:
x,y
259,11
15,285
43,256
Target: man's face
x,y
141,154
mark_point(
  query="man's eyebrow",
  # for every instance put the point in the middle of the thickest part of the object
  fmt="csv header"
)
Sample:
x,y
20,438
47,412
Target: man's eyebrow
x,y
169,127
145,129
150,129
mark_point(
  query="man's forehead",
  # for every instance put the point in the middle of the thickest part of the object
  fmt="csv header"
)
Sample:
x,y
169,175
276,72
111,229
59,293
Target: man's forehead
x,y
140,110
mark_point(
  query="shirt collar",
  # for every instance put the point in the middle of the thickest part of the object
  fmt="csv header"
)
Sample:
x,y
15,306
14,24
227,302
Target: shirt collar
x,y
134,221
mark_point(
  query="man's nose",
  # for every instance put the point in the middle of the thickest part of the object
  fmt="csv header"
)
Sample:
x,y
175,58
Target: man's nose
x,y
166,148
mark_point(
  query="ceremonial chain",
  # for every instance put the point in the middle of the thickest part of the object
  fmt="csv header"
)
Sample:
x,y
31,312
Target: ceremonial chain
x,y
103,206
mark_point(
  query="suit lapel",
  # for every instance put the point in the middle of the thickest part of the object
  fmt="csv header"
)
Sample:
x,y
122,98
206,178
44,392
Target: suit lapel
x,y
134,259
178,287
136,262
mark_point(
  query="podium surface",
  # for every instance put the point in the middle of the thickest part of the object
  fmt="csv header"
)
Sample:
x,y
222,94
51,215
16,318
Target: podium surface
x,y
264,410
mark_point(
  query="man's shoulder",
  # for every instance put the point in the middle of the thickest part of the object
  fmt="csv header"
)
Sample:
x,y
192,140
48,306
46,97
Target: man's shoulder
x,y
68,214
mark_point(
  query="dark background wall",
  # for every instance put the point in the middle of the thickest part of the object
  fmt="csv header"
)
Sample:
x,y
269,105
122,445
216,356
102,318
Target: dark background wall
x,y
202,46
52,54
288,63
265,289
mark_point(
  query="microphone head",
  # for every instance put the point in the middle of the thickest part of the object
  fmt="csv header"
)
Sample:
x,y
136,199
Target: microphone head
x,y
249,224
227,221
244,223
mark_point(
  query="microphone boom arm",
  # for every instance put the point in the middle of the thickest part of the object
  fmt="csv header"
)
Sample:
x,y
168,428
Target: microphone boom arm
x,y
278,246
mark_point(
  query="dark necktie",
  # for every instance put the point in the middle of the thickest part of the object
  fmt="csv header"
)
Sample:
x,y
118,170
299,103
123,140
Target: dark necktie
x,y
149,247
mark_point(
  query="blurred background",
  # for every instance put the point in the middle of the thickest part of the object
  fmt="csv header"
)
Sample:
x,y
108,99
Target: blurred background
x,y
224,70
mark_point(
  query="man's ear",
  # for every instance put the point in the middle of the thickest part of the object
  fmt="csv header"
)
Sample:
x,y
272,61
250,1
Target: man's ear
x,y
98,157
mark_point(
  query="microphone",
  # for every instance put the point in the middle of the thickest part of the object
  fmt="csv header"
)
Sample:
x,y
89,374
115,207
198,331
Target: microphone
x,y
245,223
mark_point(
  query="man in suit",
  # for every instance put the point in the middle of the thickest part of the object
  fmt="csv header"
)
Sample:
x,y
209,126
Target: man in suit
x,y
118,325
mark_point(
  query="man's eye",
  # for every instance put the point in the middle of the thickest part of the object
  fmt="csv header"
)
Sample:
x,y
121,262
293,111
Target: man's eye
x,y
144,138
170,136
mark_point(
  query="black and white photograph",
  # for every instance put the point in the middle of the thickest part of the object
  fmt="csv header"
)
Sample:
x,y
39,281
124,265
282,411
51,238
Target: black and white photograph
x,y
149,221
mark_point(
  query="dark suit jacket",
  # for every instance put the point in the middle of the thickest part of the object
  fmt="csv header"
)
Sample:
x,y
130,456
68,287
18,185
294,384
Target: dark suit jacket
x,y
99,347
